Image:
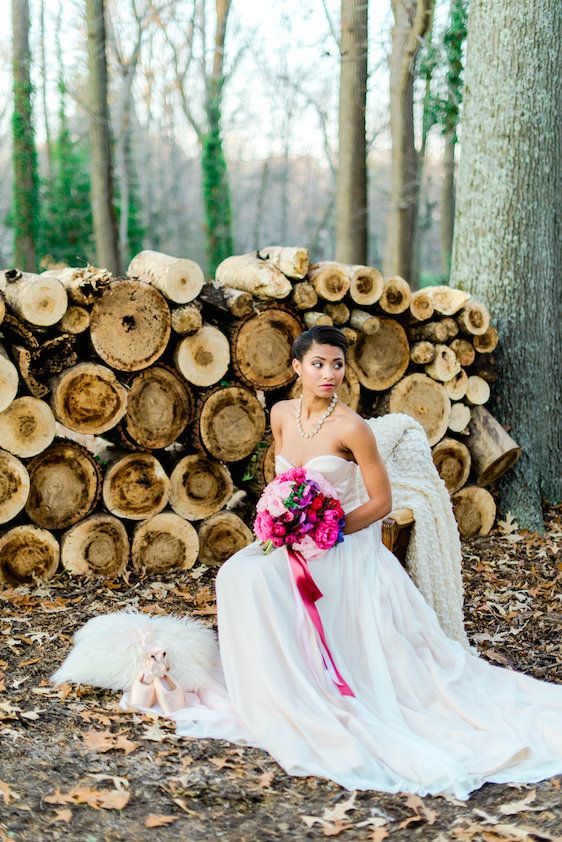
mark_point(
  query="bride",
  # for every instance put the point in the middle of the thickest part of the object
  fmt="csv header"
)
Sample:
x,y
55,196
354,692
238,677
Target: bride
x,y
425,715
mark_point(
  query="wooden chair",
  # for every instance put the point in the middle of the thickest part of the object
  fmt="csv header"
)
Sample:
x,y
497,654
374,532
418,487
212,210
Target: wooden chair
x,y
396,532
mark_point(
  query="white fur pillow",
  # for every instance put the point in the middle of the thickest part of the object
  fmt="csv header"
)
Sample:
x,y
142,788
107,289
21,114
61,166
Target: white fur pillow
x,y
108,652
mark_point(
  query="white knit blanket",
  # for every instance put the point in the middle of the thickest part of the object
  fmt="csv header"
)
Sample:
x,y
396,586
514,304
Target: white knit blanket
x,y
434,558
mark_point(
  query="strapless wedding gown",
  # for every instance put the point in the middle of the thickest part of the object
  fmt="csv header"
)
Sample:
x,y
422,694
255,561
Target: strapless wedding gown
x,y
427,716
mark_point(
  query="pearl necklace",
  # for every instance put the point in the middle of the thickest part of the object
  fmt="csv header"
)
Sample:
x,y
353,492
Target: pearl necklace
x,y
319,423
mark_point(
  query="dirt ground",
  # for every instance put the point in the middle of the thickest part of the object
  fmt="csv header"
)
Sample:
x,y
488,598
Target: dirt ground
x,y
74,766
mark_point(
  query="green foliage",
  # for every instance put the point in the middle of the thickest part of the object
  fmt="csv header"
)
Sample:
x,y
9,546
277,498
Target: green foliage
x,y
442,107
66,223
216,190
25,196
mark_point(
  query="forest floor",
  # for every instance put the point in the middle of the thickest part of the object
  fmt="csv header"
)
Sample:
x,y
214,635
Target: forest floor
x,y
74,766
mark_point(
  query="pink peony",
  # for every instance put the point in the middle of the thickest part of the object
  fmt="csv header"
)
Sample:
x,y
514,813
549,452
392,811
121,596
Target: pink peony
x,y
326,535
331,516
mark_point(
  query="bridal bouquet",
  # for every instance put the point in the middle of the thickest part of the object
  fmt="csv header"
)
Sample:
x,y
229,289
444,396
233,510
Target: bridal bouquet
x,y
299,509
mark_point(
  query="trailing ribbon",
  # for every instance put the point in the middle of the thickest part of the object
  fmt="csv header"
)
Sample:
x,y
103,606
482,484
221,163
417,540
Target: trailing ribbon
x,y
310,593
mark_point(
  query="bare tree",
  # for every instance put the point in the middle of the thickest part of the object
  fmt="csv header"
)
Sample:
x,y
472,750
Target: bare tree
x,y
103,209
506,243
411,19
351,184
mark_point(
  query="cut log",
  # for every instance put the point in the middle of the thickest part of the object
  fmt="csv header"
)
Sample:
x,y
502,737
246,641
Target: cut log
x,y
231,421
381,359
261,347
14,486
83,284
396,529
452,460
304,296
452,327
54,355
39,300
9,380
239,303
15,330
159,407
422,353
456,387
487,342
187,319
492,449
351,335
363,321
164,543
432,331
445,365
313,318
338,312
96,546
477,390
424,399
88,398
446,300
204,357
75,320
199,487
24,361
366,284
464,351
485,367
2,308
459,417
330,280
396,295
65,485
220,536
259,277
475,511
421,307
293,261
130,325
177,278
136,487
474,318
28,554
27,427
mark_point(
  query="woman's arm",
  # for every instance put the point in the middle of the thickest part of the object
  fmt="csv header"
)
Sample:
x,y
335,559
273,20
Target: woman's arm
x,y
275,424
358,437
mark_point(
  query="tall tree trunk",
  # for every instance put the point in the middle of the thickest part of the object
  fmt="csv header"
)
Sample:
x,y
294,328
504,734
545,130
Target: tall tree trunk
x,y
44,91
216,189
454,40
26,183
506,246
351,180
423,221
447,204
105,219
411,19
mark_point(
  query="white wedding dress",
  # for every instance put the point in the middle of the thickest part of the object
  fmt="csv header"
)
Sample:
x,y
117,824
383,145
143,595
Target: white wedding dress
x,y
426,717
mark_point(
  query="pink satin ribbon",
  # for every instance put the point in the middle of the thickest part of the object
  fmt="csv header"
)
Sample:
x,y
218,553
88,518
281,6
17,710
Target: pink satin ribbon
x,y
310,593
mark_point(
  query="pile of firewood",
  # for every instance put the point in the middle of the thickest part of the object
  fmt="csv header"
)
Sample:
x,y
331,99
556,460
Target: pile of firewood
x,y
134,412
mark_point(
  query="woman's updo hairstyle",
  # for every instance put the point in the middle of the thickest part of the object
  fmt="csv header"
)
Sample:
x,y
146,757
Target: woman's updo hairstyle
x,y
323,335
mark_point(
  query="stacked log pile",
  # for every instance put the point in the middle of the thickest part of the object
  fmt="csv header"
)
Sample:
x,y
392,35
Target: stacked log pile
x,y
134,411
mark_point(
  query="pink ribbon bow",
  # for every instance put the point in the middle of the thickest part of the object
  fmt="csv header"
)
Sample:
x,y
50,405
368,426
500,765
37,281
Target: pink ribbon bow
x,y
310,593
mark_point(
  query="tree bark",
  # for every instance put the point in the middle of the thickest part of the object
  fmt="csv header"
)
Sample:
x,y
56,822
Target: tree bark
x,y
105,219
505,245
411,18
24,156
351,180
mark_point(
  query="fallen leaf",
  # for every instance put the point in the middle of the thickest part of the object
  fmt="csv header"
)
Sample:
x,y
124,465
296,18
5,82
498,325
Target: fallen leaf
x,y
63,815
108,799
156,820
